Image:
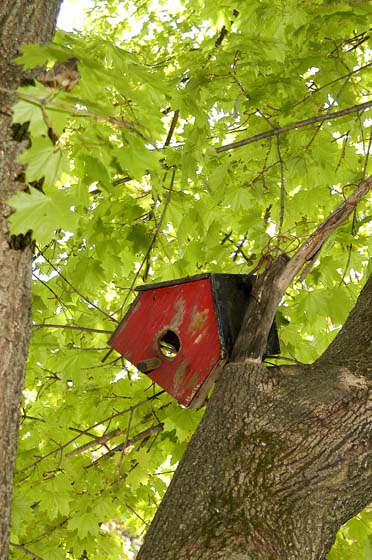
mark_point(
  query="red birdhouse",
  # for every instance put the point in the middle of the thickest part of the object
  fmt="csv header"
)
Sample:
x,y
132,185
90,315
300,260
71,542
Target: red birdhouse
x,y
181,333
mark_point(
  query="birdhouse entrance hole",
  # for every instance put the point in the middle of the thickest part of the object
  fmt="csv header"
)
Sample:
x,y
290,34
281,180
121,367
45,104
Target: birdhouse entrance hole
x,y
169,344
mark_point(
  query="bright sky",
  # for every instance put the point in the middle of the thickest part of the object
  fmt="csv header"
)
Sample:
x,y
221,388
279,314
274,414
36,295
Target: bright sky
x,y
71,15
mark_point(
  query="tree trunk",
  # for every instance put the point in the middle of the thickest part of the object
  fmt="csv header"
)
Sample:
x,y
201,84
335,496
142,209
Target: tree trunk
x,y
280,460
21,21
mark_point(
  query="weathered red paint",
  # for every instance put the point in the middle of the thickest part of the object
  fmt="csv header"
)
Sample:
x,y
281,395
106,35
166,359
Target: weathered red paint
x,y
187,310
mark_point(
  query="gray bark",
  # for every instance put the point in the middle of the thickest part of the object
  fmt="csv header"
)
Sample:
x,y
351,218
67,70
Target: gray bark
x,y
281,458
21,21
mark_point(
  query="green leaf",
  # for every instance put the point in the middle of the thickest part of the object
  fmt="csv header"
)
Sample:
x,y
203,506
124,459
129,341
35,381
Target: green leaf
x,y
136,158
21,511
42,214
29,109
43,160
37,55
96,171
85,524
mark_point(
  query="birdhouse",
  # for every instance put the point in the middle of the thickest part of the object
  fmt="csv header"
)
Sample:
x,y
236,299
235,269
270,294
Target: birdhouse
x,y
181,333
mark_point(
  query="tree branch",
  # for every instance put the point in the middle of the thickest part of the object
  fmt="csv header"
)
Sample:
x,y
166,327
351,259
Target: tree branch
x,y
293,126
352,347
88,301
129,442
70,327
271,287
97,440
172,127
85,432
43,103
156,233
58,298
26,551
282,177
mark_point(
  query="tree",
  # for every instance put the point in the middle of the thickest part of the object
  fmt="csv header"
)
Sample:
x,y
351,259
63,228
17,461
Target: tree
x,y
21,22
168,141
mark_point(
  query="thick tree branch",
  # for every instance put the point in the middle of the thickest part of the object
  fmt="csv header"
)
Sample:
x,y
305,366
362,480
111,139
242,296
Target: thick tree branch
x,y
271,287
282,457
352,347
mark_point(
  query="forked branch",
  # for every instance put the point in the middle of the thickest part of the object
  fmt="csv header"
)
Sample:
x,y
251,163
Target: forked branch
x,y
272,285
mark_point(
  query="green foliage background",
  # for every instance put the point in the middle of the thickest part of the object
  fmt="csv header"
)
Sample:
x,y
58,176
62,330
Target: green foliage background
x,y
134,191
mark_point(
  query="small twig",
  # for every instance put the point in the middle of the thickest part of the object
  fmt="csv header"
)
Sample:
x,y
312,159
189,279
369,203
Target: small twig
x,y
97,440
157,230
284,358
227,237
367,154
312,93
85,432
88,301
112,363
58,298
75,112
316,240
51,132
221,36
129,442
70,327
354,41
282,178
166,143
332,104
46,533
26,417
353,225
265,168
137,515
172,127
348,260
26,551
282,185
122,181
343,151
240,85
82,432
153,440
293,126
239,249
125,444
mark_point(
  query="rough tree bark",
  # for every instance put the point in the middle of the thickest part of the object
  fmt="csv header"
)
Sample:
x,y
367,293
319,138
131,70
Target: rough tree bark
x,y
282,456
21,21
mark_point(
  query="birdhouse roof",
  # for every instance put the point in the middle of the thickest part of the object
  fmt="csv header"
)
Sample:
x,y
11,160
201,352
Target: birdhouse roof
x,y
174,282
